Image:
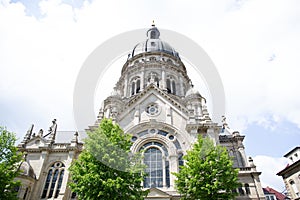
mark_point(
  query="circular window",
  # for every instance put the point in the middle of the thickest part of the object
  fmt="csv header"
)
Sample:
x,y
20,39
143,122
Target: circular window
x,y
171,137
152,109
134,138
57,164
152,131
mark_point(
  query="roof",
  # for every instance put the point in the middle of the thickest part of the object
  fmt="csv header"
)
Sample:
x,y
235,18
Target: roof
x,y
288,168
294,149
154,44
278,195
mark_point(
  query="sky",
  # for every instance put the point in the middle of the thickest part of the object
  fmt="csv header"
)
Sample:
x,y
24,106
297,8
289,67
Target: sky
x,y
254,44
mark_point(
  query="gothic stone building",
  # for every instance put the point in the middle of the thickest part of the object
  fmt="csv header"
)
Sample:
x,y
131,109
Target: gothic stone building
x,y
155,101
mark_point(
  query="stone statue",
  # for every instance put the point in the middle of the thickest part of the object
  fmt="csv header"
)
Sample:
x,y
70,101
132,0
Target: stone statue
x,y
52,129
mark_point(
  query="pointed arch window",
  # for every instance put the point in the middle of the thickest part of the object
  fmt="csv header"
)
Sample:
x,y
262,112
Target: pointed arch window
x,y
54,180
157,167
135,86
171,85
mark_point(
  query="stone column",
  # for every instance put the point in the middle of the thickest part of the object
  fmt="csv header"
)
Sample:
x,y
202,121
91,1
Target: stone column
x,y
243,155
173,162
64,189
142,78
181,86
163,78
125,85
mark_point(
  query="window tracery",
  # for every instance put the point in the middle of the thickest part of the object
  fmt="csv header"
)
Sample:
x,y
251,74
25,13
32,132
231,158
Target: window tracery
x,y
53,180
157,166
135,86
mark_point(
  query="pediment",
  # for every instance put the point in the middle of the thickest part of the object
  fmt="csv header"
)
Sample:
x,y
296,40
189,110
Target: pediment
x,y
36,142
151,93
155,193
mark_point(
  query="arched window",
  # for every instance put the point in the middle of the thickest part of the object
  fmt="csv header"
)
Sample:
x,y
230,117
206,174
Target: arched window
x,y
135,86
247,188
157,167
54,180
241,191
171,85
294,188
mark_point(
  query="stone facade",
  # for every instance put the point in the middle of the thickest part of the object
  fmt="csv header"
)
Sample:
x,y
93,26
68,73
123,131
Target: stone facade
x,y
291,174
155,101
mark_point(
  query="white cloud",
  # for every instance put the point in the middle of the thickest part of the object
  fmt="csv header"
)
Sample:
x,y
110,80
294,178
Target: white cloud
x,y
40,58
270,166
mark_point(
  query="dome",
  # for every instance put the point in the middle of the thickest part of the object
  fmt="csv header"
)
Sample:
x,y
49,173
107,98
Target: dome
x,y
154,44
192,92
27,170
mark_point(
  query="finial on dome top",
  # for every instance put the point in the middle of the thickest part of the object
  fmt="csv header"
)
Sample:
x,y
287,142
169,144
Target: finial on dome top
x,y
153,32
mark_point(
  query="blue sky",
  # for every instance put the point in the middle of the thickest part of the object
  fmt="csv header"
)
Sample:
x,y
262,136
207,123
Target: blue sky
x,y
254,44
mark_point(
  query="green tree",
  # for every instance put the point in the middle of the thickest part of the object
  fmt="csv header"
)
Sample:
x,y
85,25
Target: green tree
x,y
9,164
208,173
106,169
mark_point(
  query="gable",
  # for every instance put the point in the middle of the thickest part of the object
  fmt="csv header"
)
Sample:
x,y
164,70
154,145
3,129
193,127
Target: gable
x,y
36,142
168,110
156,193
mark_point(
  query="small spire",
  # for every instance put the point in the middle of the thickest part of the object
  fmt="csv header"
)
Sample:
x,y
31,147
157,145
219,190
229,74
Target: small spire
x,y
153,24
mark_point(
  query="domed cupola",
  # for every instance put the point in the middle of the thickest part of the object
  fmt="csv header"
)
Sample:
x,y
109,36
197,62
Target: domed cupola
x,y
154,44
192,92
153,62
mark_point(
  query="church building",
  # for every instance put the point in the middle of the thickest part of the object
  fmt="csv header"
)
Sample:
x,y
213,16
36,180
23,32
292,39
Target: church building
x,y
155,101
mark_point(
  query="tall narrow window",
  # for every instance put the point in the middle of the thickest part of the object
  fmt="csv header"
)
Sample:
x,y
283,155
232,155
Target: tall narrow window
x,y
241,191
156,81
25,193
157,168
294,188
153,161
59,183
168,85
138,86
54,180
132,88
135,86
247,188
180,160
171,85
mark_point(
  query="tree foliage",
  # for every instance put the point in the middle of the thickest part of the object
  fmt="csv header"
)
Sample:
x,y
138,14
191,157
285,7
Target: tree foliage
x,y
208,173
9,164
106,169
